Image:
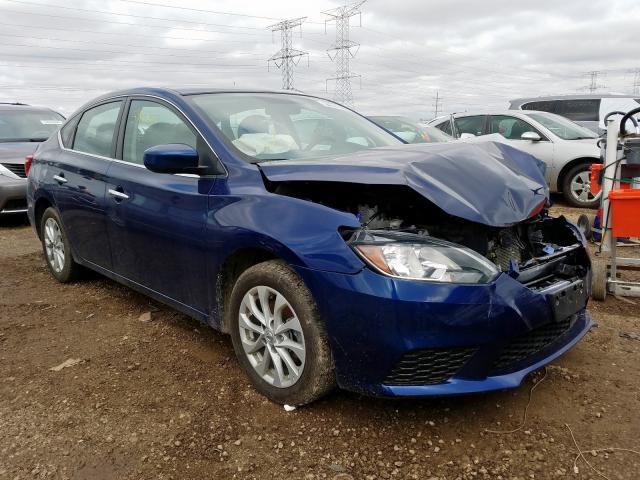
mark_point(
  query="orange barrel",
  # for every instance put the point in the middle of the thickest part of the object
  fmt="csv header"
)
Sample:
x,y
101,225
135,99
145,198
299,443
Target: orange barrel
x,y
625,212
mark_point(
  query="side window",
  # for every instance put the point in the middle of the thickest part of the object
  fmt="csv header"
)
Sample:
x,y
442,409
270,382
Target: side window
x,y
445,127
543,106
509,127
67,132
473,125
96,128
150,124
580,110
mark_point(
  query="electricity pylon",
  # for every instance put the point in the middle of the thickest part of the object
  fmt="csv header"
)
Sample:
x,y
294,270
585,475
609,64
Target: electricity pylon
x,y
287,57
343,50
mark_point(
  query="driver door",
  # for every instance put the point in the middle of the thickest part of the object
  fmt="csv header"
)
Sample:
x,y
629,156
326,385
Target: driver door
x,y
156,221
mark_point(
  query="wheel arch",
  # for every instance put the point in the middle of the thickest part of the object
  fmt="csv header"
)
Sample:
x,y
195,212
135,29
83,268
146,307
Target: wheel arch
x,y
571,164
231,268
39,207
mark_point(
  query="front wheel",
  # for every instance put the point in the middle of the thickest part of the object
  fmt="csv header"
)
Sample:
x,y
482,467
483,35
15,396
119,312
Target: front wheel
x,y
576,187
278,335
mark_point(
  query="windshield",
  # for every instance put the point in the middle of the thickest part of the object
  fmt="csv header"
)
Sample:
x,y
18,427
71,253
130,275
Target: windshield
x,y
268,126
410,131
28,125
562,127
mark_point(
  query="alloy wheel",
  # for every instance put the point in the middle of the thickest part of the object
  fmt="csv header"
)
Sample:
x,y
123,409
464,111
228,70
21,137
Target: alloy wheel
x,y
54,245
580,188
272,336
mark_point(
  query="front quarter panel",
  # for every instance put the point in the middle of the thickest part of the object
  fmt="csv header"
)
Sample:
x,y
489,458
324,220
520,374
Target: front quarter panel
x,y
300,232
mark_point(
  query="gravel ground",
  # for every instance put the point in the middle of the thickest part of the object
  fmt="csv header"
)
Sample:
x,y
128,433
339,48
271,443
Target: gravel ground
x,y
148,393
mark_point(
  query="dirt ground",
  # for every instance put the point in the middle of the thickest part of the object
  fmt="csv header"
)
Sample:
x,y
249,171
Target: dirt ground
x,y
163,398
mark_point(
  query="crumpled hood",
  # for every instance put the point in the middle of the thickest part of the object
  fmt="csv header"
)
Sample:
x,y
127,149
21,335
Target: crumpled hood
x,y
484,182
15,152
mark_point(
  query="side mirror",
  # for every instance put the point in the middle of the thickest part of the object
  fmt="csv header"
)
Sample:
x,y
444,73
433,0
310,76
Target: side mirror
x,y
532,136
465,136
173,158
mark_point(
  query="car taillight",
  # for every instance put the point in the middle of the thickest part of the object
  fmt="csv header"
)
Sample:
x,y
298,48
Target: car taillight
x,y
27,164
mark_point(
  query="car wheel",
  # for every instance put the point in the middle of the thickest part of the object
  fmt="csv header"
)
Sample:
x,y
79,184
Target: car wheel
x,y
278,335
576,187
55,246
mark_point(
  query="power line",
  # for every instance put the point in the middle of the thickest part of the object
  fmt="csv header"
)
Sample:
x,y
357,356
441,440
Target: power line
x,y
198,10
119,34
287,57
132,62
204,54
145,17
343,50
137,25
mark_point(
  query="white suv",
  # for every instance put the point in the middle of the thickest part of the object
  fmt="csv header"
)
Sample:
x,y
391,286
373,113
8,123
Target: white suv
x,y
586,110
567,148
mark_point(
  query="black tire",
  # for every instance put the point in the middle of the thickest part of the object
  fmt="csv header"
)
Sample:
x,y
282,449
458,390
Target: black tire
x,y
594,200
585,224
317,377
70,270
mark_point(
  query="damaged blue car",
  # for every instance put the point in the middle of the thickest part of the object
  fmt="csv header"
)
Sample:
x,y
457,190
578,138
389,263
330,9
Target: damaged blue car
x,y
331,252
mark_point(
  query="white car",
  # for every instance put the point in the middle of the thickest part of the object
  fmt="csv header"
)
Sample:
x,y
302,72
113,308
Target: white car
x,y
567,148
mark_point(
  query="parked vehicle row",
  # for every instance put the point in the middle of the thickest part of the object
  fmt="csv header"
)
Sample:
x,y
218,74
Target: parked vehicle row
x,y
331,252
567,149
22,128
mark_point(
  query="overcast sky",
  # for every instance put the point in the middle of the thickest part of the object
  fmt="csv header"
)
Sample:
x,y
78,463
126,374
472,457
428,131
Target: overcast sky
x,y
476,54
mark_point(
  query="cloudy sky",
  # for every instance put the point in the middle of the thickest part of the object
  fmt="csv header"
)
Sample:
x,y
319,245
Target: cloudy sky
x,y
476,54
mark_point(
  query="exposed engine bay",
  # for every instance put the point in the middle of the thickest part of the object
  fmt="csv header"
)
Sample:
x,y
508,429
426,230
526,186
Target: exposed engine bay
x,y
532,242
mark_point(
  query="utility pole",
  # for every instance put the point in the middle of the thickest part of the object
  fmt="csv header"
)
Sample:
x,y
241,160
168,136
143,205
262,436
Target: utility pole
x,y
343,50
287,57
437,104
636,82
593,84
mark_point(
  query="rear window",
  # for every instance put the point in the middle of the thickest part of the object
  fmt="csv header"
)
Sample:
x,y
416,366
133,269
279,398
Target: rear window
x,y
587,110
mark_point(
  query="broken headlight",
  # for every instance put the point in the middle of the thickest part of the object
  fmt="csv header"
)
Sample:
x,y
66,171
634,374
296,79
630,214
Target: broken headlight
x,y
429,259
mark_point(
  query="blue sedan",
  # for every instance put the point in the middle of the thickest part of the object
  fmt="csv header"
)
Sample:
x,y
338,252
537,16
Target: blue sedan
x,y
328,249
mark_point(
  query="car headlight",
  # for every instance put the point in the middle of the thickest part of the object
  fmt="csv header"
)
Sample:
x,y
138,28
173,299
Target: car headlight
x,y
430,260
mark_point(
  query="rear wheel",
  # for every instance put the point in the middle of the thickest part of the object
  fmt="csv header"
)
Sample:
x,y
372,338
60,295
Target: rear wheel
x,y
56,248
278,336
576,187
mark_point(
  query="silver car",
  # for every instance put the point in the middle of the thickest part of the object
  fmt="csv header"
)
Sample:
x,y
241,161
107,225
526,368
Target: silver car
x,y
567,148
22,128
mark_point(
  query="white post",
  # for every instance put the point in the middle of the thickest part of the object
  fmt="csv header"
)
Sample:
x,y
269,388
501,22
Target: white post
x,y
609,172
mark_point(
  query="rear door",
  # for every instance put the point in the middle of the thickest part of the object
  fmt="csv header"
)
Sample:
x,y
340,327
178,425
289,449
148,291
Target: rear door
x,y
157,221
512,128
77,176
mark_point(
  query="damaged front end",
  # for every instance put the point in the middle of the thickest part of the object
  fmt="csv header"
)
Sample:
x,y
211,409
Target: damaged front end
x,y
461,293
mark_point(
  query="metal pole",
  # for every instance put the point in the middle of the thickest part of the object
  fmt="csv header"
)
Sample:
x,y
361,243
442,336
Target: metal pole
x,y
610,163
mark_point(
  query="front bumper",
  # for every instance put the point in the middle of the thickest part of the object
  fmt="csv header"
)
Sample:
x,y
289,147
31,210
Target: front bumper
x,y
13,195
476,336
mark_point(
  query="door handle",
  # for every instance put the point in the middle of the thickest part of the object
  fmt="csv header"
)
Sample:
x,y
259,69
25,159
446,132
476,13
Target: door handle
x,y
60,178
118,195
